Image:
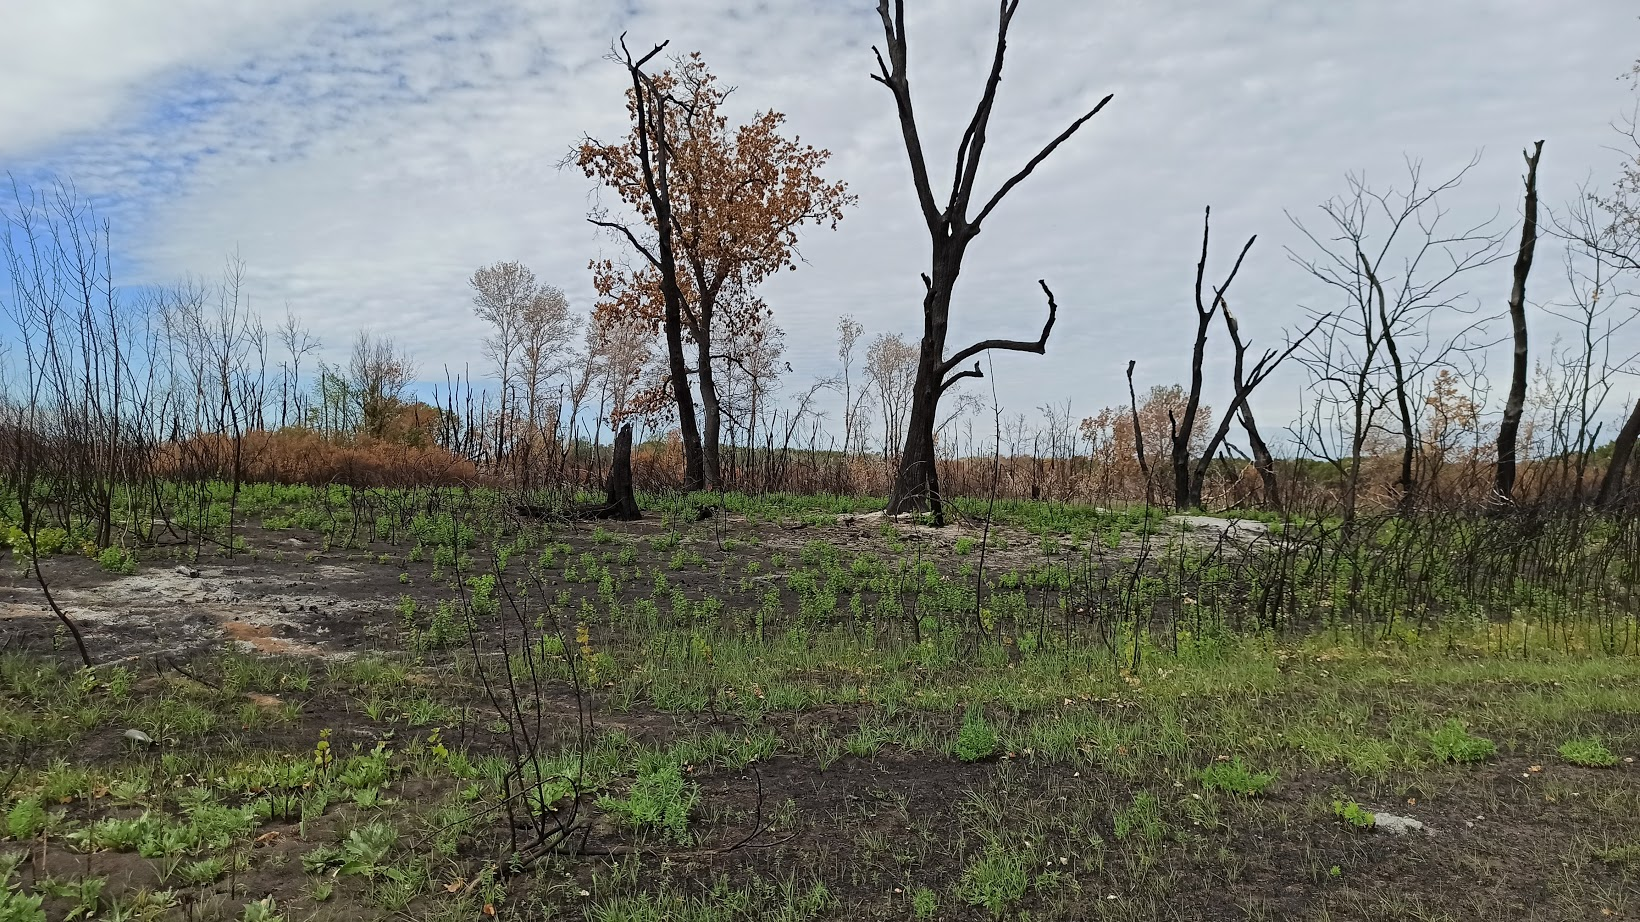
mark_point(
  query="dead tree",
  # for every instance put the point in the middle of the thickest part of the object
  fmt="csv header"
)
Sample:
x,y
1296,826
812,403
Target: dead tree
x,y
1244,381
619,502
951,230
1139,439
1187,486
1509,430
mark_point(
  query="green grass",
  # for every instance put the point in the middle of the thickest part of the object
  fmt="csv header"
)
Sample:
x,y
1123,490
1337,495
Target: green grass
x,y
1232,777
1588,752
844,703
995,879
1454,743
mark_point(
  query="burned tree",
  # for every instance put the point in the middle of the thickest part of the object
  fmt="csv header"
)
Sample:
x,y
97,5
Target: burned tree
x,y
1508,432
649,187
619,502
1244,380
950,230
1186,485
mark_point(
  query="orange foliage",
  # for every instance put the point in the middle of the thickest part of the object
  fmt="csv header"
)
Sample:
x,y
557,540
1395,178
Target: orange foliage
x,y
738,197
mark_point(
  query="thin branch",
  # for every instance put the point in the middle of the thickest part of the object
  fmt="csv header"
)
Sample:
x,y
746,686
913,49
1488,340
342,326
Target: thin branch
x,y
1019,177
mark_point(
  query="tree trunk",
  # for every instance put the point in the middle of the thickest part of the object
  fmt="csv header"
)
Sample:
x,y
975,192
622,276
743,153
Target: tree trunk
x,y
711,417
1184,427
1611,485
688,430
917,480
1263,461
1509,430
1139,438
619,501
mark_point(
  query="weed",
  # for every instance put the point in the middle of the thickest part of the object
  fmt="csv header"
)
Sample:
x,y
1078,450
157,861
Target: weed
x,y
1354,814
1453,743
27,818
117,560
364,852
1588,752
976,740
659,801
996,879
1235,778
924,904
1627,856
262,910
1140,819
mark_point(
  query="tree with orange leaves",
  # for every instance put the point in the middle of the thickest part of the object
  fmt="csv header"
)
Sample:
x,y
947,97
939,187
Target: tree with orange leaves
x,y
719,209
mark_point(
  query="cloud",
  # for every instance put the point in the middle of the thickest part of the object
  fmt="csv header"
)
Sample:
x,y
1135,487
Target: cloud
x,y
364,158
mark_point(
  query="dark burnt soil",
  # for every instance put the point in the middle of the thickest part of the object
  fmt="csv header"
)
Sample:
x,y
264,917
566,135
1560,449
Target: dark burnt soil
x,y
875,829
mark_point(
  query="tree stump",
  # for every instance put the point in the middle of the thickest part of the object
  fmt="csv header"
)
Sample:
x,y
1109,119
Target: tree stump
x,y
619,503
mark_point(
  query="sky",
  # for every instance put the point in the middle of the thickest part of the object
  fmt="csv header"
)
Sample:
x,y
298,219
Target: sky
x,y
363,157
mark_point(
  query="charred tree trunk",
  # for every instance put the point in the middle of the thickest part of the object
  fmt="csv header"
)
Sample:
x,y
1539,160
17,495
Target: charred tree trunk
x,y
1263,462
1139,438
1611,485
1244,380
1509,430
619,501
711,415
649,110
1187,483
917,479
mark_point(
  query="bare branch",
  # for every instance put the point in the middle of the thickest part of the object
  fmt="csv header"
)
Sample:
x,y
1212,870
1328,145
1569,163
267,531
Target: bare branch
x,y
1039,346
1019,177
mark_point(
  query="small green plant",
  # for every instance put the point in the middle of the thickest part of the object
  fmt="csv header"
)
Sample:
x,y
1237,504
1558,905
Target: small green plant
x,y
16,906
965,546
202,872
660,801
1235,778
84,892
866,741
1588,752
27,818
996,879
262,910
976,740
1453,743
1627,856
117,560
924,904
363,853
1353,813
20,907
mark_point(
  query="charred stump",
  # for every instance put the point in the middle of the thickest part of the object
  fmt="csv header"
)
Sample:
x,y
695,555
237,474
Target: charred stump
x,y
619,502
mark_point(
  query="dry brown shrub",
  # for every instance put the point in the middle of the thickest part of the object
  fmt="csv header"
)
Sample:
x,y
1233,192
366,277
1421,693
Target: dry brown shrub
x,y
303,456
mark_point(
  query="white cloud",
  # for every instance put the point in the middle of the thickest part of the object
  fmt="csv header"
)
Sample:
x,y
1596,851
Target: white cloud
x,y
364,159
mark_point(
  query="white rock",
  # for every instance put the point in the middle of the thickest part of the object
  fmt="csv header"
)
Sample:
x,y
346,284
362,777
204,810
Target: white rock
x,y
1399,825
